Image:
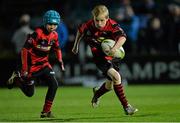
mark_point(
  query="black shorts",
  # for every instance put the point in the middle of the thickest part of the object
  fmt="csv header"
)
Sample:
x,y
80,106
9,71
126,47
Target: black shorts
x,y
46,74
104,65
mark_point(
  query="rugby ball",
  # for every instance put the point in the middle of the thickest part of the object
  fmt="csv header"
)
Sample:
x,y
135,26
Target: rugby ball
x,y
107,44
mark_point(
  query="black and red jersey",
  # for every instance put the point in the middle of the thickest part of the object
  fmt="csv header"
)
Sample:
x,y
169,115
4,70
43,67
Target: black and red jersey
x,y
37,48
111,30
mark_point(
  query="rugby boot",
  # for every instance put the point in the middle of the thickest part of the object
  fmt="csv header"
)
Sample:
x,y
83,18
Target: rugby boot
x,y
46,115
11,81
130,110
95,100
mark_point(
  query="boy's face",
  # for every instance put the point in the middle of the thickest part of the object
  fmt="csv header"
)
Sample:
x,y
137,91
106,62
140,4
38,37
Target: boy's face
x,y
51,27
100,21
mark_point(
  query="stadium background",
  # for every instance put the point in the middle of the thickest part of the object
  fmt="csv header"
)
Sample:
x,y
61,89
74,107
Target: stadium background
x,y
152,54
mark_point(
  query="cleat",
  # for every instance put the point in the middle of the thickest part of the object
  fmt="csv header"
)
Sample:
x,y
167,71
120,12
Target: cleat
x,y
130,110
46,115
11,80
95,101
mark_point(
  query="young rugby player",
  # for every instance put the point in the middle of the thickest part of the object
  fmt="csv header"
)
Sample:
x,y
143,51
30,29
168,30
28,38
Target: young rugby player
x,y
92,31
35,63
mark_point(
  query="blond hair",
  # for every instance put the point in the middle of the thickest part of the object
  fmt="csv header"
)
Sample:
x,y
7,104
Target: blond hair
x,y
100,10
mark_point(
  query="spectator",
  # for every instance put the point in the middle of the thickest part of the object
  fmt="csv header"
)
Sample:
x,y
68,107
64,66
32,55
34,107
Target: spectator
x,y
130,23
171,27
63,34
20,35
153,36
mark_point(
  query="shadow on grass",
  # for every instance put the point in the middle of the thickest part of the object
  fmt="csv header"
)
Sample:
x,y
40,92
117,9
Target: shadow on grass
x,y
90,118
147,115
87,119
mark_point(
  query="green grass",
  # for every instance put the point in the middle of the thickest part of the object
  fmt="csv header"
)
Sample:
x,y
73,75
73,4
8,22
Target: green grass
x,y
156,103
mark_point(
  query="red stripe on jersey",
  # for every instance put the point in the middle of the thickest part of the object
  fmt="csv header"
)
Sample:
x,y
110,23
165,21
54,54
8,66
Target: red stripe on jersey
x,y
24,53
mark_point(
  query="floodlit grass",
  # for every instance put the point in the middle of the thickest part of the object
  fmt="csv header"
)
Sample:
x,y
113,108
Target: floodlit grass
x,y
156,103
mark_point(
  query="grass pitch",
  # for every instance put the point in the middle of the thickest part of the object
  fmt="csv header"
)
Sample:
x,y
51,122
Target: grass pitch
x,y
156,103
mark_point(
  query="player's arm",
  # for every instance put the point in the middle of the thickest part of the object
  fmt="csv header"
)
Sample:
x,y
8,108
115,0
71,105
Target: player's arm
x,y
120,38
24,53
58,53
24,60
77,41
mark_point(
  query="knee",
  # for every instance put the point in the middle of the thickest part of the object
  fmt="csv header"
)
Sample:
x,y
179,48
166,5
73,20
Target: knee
x,y
109,85
115,76
54,85
116,79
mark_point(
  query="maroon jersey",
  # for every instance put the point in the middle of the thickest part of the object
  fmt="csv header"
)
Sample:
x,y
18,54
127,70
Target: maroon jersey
x,y
36,50
92,35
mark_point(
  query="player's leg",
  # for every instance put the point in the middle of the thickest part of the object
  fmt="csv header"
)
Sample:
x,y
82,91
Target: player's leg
x,y
26,85
15,74
52,88
118,88
97,93
11,81
103,66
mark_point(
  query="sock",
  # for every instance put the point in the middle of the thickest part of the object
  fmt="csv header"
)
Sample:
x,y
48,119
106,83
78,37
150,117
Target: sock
x,y
102,90
47,106
120,94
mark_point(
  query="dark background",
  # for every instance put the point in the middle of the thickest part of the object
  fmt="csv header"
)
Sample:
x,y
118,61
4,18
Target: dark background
x,y
150,51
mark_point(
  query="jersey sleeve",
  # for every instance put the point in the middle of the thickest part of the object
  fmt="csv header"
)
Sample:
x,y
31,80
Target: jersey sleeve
x,y
30,40
24,52
118,32
83,28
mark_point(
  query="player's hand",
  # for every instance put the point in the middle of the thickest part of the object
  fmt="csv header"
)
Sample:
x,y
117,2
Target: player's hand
x,y
74,50
106,51
112,52
62,66
25,74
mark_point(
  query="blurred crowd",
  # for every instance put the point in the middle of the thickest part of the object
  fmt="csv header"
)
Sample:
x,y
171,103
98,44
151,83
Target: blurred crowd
x,y
152,26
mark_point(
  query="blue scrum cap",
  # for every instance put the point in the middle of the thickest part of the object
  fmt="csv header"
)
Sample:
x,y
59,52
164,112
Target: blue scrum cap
x,y
51,16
